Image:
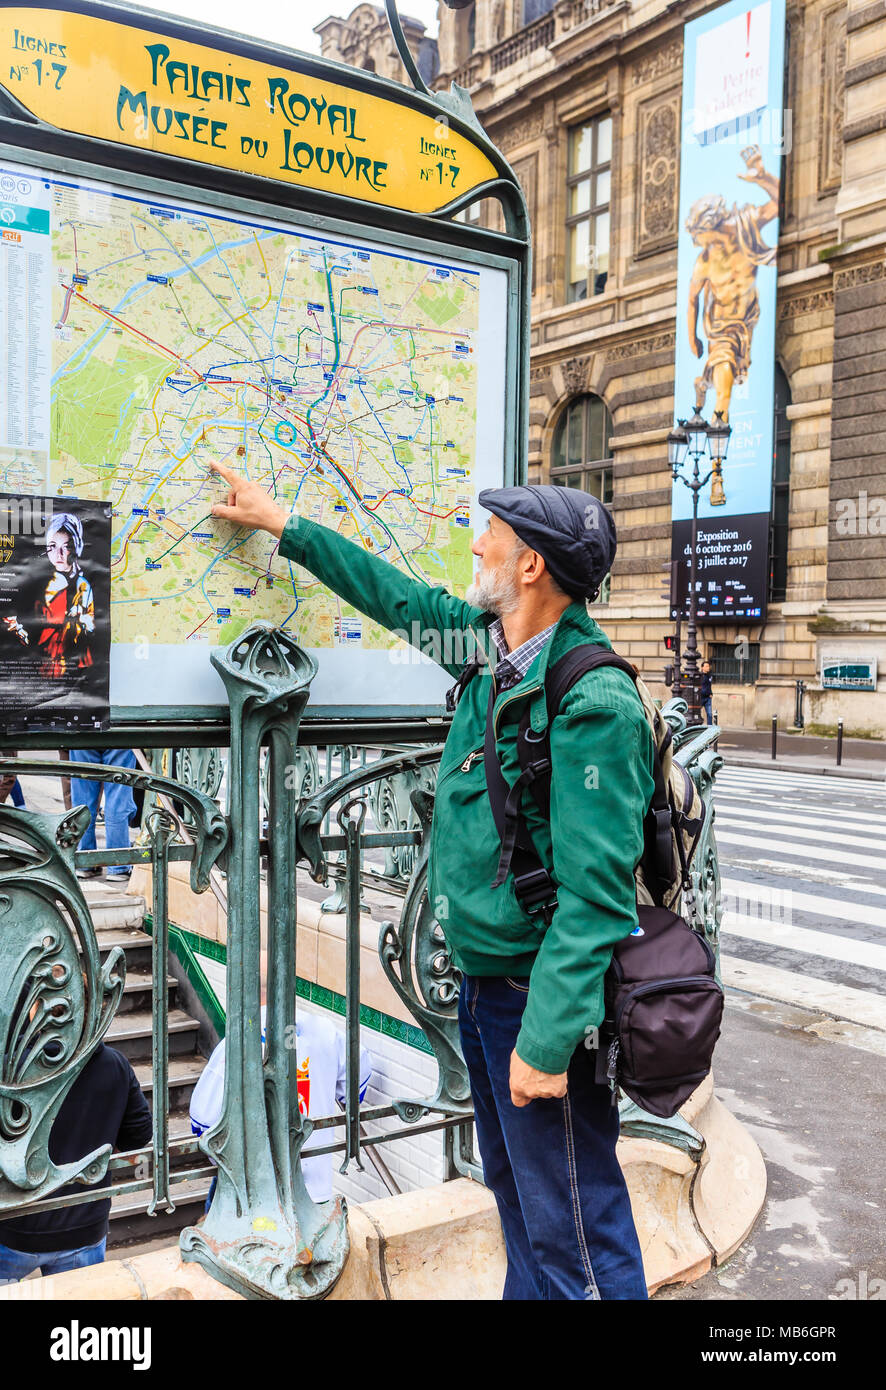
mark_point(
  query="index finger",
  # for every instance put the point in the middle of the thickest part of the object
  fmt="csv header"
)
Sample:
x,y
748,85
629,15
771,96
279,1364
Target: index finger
x,y
227,473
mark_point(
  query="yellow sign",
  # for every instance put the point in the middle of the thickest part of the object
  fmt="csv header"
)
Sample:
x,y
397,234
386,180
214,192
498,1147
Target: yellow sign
x,y
112,81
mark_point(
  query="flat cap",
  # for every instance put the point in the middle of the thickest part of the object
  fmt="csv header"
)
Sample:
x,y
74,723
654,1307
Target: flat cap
x,y
571,530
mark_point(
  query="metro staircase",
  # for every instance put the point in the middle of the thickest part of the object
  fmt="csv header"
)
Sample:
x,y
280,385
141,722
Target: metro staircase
x,y
118,918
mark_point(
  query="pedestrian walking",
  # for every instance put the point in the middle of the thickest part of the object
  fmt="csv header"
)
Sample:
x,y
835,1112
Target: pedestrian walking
x,y
11,787
532,972
705,691
119,806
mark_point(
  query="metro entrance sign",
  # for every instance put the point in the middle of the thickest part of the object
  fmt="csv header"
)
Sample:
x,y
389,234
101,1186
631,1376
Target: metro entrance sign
x,y
138,85
217,250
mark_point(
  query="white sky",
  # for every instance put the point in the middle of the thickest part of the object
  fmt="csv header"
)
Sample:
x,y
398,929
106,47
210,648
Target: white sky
x,y
287,22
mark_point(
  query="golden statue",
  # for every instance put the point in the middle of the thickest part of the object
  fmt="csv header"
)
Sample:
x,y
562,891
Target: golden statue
x,y
726,274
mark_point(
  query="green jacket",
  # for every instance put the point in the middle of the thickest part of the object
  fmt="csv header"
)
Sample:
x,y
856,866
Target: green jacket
x,y
601,785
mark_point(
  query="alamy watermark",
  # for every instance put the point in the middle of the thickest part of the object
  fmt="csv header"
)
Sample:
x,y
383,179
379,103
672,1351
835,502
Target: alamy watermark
x,y
25,516
861,515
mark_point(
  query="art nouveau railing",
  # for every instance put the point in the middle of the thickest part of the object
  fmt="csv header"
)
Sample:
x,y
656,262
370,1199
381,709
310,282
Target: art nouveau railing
x,y
330,808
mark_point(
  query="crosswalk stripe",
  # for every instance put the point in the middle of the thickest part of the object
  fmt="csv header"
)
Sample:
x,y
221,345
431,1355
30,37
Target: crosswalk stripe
x,y
836,787
805,833
863,914
839,1001
831,787
810,943
795,828
785,799
775,842
739,805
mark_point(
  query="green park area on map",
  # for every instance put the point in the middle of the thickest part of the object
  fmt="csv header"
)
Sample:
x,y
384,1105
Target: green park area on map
x,y
342,378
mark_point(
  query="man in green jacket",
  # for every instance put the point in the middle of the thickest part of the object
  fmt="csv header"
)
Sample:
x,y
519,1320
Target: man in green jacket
x,y
532,993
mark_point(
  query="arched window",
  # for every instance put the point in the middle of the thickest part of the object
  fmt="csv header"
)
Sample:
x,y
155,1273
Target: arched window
x,y
781,491
581,456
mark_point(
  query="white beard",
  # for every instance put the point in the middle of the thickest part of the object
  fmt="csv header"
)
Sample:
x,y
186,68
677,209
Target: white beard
x,y
496,591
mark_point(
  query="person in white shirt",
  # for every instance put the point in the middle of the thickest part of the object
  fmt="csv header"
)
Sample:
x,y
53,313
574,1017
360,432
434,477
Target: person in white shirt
x,y
321,1052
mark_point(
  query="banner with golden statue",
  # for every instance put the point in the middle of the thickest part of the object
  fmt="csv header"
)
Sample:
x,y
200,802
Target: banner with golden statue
x,y
735,131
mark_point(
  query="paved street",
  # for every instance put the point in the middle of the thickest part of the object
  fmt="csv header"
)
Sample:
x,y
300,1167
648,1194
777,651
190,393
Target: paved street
x,y
803,870
802,1058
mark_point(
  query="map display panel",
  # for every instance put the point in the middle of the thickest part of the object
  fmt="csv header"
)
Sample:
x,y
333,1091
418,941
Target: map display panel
x,y
363,385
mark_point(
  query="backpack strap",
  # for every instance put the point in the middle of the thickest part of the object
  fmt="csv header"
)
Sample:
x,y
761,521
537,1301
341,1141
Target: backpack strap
x,y
465,676
534,886
534,751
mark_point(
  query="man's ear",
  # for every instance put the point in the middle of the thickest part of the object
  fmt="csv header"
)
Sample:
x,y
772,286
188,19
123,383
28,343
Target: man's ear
x,y
535,568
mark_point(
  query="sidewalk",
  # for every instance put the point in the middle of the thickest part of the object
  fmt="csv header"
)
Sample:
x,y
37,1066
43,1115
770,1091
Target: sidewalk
x,y
862,758
813,1106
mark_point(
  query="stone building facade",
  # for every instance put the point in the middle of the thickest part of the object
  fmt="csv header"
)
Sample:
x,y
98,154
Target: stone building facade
x,y
584,98
363,40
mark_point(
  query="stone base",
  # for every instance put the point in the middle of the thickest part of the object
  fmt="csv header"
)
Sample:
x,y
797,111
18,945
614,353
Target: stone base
x,y
692,1214
445,1242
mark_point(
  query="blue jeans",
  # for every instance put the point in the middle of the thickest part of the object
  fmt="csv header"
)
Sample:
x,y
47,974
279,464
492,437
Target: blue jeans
x,y
707,707
119,801
551,1165
17,1264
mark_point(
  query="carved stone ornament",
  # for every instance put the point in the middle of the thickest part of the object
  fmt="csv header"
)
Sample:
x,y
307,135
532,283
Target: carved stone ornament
x,y
806,304
575,375
521,132
859,275
657,64
830,117
657,140
640,347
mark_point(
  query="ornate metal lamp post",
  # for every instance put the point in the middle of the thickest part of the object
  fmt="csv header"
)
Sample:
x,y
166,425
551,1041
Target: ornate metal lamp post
x,y
696,438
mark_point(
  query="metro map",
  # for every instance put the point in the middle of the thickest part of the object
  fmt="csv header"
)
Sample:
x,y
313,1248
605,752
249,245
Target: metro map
x,y
342,377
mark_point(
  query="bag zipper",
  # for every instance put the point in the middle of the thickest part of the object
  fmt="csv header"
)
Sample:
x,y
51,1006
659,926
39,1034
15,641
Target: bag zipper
x,y
654,986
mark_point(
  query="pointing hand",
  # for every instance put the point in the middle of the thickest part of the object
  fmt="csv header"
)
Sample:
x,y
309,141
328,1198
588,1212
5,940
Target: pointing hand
x,y
248,504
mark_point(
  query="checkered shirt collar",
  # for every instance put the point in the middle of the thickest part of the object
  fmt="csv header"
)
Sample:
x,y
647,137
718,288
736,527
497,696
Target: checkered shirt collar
x,y
512,666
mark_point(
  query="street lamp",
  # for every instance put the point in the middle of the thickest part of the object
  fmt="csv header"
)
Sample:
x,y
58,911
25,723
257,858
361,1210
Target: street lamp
x,y
697,439
678,443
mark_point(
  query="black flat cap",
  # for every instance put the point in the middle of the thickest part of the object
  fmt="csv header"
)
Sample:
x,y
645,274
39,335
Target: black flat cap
x,y
572,531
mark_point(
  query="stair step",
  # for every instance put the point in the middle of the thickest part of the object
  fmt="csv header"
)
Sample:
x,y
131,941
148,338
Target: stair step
x,y
142,978
135,942
100,891
130,938
184,1073
180,1124
113,908
138,990
130,1033
130,1223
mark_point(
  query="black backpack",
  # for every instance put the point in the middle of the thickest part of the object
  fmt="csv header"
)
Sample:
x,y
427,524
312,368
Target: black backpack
x,y
664,1005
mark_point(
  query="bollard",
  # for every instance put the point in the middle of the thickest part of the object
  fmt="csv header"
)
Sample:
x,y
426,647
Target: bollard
x,y
839,742
774,734
800,691
716,720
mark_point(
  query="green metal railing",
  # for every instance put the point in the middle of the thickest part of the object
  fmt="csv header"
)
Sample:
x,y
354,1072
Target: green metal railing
x,y
263,1235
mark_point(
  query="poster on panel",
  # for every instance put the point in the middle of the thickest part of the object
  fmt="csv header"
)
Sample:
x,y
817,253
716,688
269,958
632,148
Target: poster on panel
x,y
735,131
55,630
